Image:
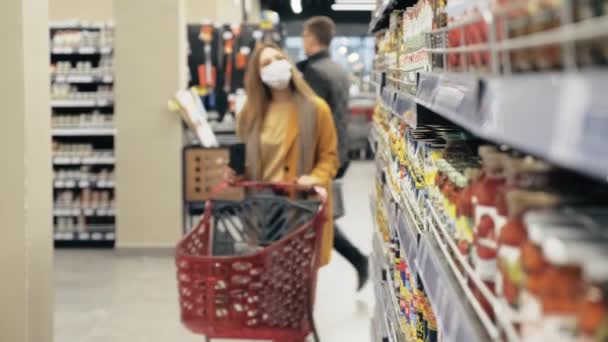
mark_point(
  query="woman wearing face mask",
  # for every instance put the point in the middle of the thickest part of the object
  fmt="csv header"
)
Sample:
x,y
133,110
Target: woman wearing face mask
x,y
289,131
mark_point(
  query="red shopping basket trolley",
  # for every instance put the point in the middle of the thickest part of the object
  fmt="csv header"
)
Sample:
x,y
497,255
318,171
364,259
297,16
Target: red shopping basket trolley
x,y
248,270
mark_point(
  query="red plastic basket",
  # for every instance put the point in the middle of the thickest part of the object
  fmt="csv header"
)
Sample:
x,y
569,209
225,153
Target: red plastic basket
x,y
266,295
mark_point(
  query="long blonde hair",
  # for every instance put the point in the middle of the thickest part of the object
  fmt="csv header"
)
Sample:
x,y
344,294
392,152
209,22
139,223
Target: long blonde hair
x,y
259,94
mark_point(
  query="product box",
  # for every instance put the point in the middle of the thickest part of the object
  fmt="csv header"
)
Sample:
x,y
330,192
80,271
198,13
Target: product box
x,y
204,170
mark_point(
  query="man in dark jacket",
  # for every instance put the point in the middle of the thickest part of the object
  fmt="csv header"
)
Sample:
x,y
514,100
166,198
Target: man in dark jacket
x,y
329,80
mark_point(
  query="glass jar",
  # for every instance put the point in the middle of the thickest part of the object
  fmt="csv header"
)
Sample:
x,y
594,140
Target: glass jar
x,y
552,260
511,240
593,310
484,195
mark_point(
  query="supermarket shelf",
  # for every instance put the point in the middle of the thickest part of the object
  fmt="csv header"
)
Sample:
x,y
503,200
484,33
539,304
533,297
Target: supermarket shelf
x,y
382,321
66,160
373,139
85,239
81,103
457,321
560,117
387,329
376,78
77,25
380,18
82,184
83,79
386,304
392,309
83,51
384,287
83,132
404,107
465,275
408,237
88,212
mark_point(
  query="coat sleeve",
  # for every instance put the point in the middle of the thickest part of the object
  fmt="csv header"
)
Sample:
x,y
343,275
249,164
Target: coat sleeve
x,y
326,161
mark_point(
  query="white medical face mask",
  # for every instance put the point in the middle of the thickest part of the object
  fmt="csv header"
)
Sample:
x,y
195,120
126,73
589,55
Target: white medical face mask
x,y
277,74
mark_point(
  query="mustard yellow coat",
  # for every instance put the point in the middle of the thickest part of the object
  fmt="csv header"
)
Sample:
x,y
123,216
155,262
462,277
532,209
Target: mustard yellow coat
x,y
325,161
325,166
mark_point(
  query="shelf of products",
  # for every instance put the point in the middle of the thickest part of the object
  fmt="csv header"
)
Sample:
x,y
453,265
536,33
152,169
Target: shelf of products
x,y
85,237
536,88
82,102
82,132
489,142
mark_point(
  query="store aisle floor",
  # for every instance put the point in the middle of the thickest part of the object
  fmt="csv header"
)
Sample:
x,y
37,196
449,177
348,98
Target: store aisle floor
x,y
104,296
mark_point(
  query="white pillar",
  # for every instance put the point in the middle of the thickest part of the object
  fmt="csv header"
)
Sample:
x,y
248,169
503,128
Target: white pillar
x,y
150,62
26,255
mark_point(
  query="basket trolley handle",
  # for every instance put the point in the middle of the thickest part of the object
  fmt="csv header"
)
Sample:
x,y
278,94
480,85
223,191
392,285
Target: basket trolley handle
x,y
283,186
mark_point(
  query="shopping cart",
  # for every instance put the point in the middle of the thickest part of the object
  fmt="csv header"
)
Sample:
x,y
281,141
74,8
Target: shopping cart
x,y
249,268
359,125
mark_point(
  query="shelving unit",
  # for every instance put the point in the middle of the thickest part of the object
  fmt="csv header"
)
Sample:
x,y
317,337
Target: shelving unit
x,y
83,133
427,256
479,89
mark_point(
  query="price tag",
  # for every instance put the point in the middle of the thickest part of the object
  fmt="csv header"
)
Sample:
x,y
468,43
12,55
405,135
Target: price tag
x,y
102,212
80,78
84,236
110,236
75,160
86,50
108,79
68,236
60,79
62,160
89,212
103,102
97,236
62,50
58,236
105,49
59,184
70,184
84,184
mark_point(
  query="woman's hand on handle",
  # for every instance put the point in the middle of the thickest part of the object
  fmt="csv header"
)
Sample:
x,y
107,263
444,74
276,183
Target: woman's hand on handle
x,y
230,175
307,182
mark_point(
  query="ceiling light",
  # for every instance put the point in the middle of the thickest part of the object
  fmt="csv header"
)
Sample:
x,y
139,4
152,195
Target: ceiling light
x,y
296,6
342,50
353,57
353,7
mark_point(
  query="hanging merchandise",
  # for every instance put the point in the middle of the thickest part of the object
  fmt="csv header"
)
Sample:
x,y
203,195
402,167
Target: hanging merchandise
x,y
188,104
491,203
207,71
218,59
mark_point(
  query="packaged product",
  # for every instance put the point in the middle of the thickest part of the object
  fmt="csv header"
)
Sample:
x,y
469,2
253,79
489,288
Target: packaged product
x,y
553,261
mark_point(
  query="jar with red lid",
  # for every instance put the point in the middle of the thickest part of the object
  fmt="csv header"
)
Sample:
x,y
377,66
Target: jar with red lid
x,y
593,310
452,192
484,194
554,282
511,240
464,212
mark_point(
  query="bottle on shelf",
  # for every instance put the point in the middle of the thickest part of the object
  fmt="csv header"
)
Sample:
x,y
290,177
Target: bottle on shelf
x,y
487,221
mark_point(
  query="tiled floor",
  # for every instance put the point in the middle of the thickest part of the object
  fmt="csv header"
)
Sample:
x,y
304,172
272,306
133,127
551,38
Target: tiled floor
x,y
105,297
